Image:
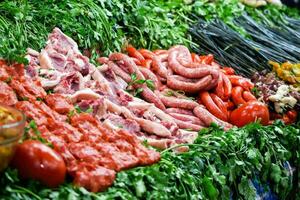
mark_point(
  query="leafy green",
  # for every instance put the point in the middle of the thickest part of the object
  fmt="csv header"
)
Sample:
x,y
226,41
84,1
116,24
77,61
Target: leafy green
x,y
136,81
94,25
105,26
36,134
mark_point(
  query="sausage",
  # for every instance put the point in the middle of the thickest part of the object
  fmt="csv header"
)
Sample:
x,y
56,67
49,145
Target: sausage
x,y
227,87
148,74
102,60
159,68
153,127
134,53
146,63
208,118
188,85
187,125
214,81
248,96
136,61
199,72
149,96
187,118
229,105
237,96
179,111
183,55
127,62
241,81
212,107
175,102
196,58
147,54
160,51
219,102
119,72
219,90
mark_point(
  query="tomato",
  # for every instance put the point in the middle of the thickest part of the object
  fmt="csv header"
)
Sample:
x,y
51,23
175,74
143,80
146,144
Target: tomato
x,y
286,120
250,112
292,114
37,161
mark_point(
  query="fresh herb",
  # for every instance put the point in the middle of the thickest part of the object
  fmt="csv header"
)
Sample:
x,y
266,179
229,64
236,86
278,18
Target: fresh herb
x,y
136,81
137,92
95,25
119,126
255,91
79,110
39,99
50,91
24,98
36,133
175,93
8,80
89,110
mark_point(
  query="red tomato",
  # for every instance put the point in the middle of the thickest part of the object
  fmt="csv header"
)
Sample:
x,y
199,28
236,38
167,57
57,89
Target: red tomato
x,y
250,112
36,160
286,120
292,114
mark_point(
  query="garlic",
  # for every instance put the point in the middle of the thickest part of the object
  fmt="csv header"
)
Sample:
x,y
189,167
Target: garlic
x,y
291,101
281,98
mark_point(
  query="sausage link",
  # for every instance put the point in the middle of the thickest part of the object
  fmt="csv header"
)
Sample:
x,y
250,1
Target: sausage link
x,y
188,85
241,81
219,90
179,111
147,54
208,118
212,107
237,98
227,87
132,52
220,103
248,96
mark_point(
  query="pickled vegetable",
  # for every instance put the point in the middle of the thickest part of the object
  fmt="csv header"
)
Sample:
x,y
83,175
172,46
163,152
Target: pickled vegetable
x,y
11,130
6,116
287,71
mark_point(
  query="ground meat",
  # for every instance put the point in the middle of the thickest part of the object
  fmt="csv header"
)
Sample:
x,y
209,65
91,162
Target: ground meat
x,y
7,95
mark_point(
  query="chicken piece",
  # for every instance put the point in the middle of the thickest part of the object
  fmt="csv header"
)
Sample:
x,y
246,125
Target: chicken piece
x,y
87,94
